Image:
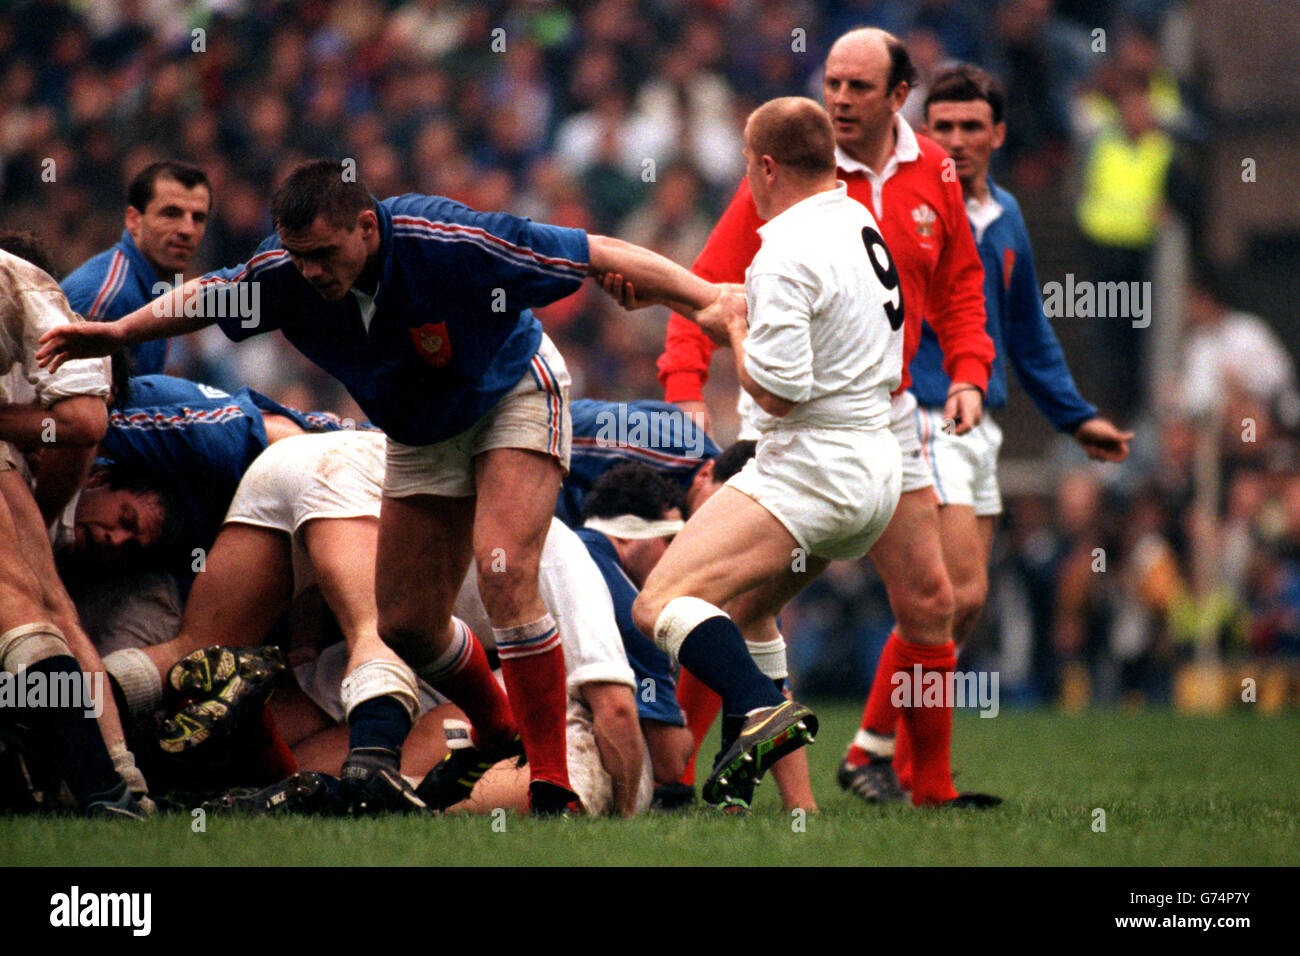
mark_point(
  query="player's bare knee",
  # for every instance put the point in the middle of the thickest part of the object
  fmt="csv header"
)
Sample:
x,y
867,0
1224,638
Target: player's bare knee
x,y
506,586
969,603
929,602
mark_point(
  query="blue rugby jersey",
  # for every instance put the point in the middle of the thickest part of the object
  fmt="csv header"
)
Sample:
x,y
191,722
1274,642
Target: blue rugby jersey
x,y
658,699
201,440
202,448
151,390
1016,323
113,284
451,331
651,433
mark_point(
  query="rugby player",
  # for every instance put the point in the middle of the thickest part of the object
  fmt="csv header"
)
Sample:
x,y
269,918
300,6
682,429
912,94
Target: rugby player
x,y
819,356
899,177
168,203
963,113
41,640
420,306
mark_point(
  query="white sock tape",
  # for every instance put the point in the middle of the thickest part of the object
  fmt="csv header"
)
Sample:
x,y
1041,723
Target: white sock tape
x,y
23,646
380,678
679,617
139,679
770,657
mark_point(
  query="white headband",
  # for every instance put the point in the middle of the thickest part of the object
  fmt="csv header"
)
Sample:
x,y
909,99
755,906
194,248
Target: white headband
x,y
632,527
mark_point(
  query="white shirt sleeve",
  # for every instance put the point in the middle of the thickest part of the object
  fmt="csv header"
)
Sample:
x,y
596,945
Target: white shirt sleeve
x,y
778,349
44,309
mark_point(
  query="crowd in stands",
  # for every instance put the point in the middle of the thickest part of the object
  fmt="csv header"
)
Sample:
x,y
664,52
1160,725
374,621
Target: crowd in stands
x,y
624,117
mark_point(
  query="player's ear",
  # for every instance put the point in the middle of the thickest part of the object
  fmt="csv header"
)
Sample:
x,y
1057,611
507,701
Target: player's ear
x,y
704,475
132,220
999,135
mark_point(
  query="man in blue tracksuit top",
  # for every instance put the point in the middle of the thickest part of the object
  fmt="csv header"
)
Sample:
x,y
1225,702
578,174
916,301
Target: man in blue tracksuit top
x,y
963,111
166,216
421,307
964,115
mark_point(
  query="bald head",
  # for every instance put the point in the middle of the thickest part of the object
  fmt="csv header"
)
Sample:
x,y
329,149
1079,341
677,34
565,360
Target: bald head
x,y
875,51
796,133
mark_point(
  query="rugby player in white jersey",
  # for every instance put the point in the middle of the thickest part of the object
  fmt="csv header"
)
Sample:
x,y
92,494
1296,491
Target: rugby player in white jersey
x,y
820,354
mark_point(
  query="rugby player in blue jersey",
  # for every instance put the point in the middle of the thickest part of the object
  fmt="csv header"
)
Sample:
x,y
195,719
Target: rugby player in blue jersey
x,y
421,308
963,111
166,215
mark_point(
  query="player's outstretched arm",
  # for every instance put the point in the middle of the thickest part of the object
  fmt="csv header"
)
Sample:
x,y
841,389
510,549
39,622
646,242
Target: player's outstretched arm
x,y
655,279
162,318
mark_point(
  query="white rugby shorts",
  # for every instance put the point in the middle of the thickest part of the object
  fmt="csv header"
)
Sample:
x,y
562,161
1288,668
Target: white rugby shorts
x,y
902,422
964,468
327,475
534,415
834,489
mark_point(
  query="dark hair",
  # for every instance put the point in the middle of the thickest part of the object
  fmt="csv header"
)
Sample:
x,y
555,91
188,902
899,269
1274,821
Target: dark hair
x,y
901,68
319,187
29,246
733,459
140,193
962,83
139,481
795,132
632,489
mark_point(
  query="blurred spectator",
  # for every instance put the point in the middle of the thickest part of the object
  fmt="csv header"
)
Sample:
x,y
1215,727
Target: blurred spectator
x,y
1120,206
1230,356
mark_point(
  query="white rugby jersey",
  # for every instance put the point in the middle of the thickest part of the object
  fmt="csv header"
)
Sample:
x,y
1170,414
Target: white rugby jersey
x,y
31,303
822,291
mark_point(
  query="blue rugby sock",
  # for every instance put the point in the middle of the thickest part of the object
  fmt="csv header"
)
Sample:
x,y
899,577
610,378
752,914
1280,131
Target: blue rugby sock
x,y
73,738
715,652
379,723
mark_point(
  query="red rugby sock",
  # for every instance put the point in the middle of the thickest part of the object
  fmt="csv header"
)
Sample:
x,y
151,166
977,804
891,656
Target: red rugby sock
x,y
700,704
929,720
532,663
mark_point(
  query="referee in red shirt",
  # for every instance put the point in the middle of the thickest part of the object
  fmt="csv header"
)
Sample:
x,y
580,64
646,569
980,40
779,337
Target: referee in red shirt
x,y
911,187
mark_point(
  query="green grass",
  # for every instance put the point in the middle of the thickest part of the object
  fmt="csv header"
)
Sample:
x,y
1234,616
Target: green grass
x,y
1176,790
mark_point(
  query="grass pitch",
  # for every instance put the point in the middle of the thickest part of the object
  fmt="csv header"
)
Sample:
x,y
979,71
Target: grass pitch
x,y
1175,790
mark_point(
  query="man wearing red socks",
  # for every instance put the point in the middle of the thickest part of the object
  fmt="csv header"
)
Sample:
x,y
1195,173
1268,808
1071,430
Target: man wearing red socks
x,y
901,178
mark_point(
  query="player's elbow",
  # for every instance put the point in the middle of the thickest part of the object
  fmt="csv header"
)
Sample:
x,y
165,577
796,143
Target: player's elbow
x,y
79,422
614,712
774,404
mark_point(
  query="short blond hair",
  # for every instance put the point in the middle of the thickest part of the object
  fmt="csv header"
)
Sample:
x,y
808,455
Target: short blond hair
x,y
796,132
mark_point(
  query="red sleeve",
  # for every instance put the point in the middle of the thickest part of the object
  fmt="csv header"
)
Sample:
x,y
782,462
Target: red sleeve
x,y
684,364
955,306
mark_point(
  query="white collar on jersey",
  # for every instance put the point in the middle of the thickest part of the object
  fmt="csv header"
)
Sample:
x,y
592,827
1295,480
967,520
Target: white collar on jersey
x,y
906,149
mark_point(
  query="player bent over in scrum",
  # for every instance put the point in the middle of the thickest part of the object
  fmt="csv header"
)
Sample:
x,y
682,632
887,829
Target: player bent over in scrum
x,y
820,356
41,640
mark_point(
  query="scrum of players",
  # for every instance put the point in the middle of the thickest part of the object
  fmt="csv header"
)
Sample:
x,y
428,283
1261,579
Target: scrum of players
x,y
278,610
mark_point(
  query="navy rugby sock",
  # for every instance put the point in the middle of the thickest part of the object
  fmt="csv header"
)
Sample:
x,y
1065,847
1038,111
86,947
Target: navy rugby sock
x,y
380,722
715,652
72,736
